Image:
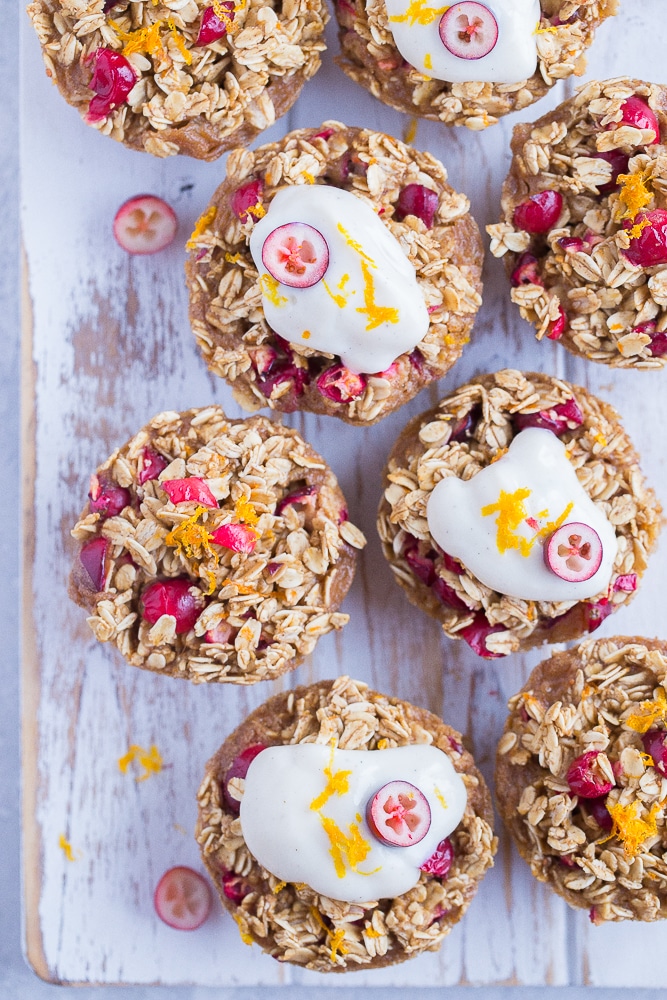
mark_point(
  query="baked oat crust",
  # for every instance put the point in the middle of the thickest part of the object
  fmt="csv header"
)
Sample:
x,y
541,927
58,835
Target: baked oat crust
x,y
200,100
580,700
607,467
604,296
275,602
370,58
225,298
294,924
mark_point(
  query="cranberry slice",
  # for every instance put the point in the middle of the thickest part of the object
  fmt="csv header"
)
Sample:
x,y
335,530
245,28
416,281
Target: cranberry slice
x,y
296,254
399,814
627,582
468,30
558,326
182,899
106,497
238,769
448,595
212,27
171,597
573,552
113,79
539,213
583,780
144,224
93,559
415,199
597,612
597,808
340,385
440,862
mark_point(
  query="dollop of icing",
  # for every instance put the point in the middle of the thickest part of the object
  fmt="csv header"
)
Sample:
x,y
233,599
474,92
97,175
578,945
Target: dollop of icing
x,y
368,307
497,522
303,816
414,25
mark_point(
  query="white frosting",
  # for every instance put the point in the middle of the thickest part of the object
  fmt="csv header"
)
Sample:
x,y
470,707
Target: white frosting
x,y
537,461
331,315
512,59
288,837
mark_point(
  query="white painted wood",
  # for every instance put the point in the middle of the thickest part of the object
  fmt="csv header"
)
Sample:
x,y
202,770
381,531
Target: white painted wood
x,y
110,346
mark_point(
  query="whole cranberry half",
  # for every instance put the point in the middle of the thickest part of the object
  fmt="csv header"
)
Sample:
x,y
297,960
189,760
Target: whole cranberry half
x,y
440,861
415,199
539,213
106,497
93,559
212,27
238,769
650,247
637,113
171,597
246,198
152,464
113,79
654,744
583,780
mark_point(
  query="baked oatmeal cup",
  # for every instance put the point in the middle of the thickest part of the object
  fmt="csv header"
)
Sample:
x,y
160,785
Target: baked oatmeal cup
x,y
515,512
214,549
584,223
581,776
191,77
388,805
335,271
465,63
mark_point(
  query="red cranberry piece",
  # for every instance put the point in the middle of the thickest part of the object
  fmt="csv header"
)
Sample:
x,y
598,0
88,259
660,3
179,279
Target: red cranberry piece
x,y
654,744
559,419
571,244
478,632
557,327
650,247
246,198
455,745
263,358
192,489
113,79
453,565
465,425
597,808
324,134
171,597
440,861
421,566
306,495
626,582
238,769
597,613
539,213
415,199
637,113
658,345
237,537
567,861
416,359
212,27
340,384
619,165
235,887
526,272
93,557
152,464
107,497
285,371
448,595
346,13
583,780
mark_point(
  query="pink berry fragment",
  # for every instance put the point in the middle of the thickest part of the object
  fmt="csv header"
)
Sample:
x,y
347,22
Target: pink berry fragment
x,y
222,633
182,899
573,552
571,244
237,537
340,385
584,779
144,224
477,633
597,612
638,114
106,497
468,30
235,887
399,814
113,79
296,254
415,199
539,213
561,418
440,861
238,769
448,595
655,744
305,496
626,582
597,808
171,597
247,198
325,134
650,247
558,326
212,27
192,489
526,272
658,343
93,559
152,464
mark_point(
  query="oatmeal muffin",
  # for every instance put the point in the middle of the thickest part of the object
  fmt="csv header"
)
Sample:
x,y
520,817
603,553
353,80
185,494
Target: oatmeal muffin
x,y
459,63
214,549
515,512
191,77
420,858
335,271
584,223
581,776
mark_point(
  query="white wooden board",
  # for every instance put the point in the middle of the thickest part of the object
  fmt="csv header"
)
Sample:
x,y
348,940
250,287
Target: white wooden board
x,y
107,345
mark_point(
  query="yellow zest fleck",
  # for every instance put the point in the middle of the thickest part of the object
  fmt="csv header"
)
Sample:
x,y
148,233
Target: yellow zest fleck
x,y
419,13
346,850
633,194
343,282
499,454
600,439
300,886
371,933
212,582
340,300
179,41
647,760
548,29
142,40
305,335
317,917
192,539
337,783
428,62
243,928
355,245
66,847
201,225
587,691
278,887
269,287
383,744
511,511
309,177
410,130
336,942
376,314
632,831
233,258
257,210
242,588
638,229
150,760
440,797
244,511
649,713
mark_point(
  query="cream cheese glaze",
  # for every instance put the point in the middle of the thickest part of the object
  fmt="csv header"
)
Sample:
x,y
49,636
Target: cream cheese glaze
x,y
414,25
368,307
299,802
497,522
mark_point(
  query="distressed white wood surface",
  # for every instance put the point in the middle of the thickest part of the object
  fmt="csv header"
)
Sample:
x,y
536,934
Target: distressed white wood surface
x,y
107,345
